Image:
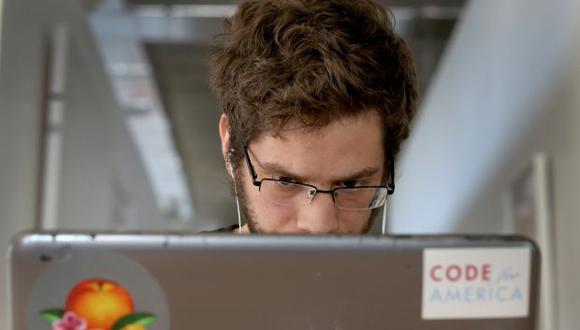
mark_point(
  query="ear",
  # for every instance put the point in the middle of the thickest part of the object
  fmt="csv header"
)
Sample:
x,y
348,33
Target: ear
x,y
224,127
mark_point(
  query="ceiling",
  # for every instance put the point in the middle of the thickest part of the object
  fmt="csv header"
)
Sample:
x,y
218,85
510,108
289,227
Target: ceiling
x,y
397,3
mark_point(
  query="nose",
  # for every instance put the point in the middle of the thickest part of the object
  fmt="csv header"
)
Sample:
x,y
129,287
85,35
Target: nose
x,y
319,216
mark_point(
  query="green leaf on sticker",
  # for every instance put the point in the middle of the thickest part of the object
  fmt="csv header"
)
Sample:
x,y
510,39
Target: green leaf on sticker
x,y
143,319
53,314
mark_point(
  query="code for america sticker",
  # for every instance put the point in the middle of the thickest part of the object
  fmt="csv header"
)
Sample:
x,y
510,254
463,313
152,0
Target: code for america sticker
x,y
469,283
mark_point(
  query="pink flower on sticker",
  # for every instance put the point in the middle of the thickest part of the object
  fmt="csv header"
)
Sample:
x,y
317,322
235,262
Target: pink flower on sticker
x,y
69,321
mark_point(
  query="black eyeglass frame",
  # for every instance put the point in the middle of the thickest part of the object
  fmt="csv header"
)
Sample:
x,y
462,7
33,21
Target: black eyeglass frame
x,y
258,183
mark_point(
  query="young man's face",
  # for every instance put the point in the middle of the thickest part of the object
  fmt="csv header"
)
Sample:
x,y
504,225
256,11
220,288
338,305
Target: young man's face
x,y
330,157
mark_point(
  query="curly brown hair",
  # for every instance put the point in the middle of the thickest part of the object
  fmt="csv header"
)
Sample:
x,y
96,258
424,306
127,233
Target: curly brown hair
x,y
305,63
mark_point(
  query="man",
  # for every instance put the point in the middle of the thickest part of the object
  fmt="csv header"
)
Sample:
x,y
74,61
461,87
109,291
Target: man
x,y
317,96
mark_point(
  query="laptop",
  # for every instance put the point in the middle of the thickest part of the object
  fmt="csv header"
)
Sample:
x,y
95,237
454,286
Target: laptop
x,y
213,281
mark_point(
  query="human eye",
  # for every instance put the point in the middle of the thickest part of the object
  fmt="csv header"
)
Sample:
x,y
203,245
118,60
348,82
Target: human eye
x,y
352,183
283,181
285,185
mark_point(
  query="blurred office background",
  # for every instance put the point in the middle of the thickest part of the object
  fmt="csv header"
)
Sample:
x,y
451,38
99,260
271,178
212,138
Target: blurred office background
x,y
107,123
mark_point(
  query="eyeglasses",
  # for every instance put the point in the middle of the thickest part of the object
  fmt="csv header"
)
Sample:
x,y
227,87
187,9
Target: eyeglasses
x,y
284,192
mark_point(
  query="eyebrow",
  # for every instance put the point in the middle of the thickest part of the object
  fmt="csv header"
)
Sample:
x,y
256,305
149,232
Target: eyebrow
x,y
274,168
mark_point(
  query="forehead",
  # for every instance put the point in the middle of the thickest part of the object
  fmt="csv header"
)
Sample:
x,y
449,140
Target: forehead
x,y
339,148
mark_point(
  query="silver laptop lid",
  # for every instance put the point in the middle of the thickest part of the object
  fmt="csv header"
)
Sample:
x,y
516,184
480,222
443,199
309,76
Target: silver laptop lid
x,y
160,281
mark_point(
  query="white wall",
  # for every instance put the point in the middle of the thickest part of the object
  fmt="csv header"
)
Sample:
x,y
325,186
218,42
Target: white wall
x,y
556,133
18,144
104,184
1,7
509,87
504,61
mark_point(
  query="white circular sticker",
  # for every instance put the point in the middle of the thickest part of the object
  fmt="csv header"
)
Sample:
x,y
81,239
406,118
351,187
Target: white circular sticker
x,y
97,291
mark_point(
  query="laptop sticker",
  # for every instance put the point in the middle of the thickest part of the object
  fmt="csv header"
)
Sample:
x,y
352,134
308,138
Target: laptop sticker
x,y
97,304
475,283
97,290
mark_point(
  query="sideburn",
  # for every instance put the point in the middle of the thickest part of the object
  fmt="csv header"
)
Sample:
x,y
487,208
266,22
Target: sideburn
x,y
247,215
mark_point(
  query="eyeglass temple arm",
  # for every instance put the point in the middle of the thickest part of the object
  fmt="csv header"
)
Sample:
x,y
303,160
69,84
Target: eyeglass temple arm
x,y
391,179
251,167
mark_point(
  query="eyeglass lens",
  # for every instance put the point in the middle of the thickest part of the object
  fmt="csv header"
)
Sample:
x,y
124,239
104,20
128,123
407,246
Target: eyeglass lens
x,y
289,193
